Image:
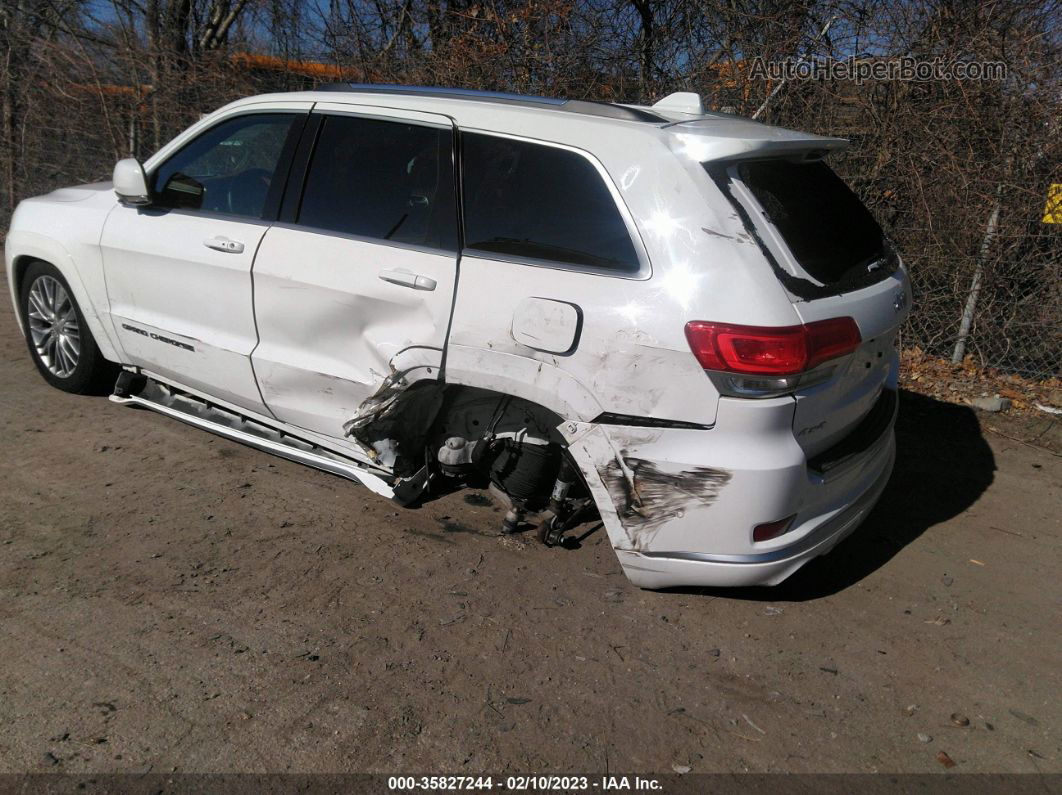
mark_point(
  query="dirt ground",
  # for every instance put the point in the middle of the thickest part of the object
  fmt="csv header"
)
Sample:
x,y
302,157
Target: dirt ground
x,y
171,601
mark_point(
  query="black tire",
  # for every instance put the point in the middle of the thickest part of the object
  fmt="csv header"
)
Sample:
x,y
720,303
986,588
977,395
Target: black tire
x,y
67,357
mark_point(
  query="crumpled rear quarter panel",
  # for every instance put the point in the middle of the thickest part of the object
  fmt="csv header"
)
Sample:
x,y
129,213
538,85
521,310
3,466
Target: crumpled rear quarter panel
x,y
677,489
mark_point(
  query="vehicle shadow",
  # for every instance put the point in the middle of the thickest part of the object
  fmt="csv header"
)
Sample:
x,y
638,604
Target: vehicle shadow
x,y
943,466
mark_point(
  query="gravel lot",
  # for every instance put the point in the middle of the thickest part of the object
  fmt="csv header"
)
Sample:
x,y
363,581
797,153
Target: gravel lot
x,y
170,600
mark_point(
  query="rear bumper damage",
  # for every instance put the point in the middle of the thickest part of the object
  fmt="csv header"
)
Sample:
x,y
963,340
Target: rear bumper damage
x,y
670,569
680,505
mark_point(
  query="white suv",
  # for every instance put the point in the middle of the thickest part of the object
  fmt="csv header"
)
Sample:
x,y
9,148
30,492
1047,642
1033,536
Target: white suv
x,y
682,320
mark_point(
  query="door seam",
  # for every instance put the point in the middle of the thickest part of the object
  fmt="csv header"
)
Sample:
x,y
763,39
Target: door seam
x,y
257,333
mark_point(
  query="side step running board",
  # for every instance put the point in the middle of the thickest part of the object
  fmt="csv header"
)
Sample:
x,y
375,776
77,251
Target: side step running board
x,y
195,411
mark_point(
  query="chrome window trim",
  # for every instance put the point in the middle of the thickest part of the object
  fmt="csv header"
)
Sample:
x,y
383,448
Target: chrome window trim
x,y
375,241
368,114
533,262
208,214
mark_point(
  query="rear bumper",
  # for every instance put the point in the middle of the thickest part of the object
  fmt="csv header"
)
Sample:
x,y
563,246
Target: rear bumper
x,y
671,569
680,505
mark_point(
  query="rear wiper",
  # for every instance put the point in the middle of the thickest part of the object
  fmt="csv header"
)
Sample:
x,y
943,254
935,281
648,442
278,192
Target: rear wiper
x,y
870,267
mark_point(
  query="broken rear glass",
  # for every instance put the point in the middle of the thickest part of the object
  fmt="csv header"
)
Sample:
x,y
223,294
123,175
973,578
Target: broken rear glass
x,y
828,231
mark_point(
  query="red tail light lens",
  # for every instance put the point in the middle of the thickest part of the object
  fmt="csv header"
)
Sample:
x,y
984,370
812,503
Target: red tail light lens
x,y
762,350
828,339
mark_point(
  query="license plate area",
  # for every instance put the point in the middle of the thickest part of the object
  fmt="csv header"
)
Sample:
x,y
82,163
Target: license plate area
x,y
862,438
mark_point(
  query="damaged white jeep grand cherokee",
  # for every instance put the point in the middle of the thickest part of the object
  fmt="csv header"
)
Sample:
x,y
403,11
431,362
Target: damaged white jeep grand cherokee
x,y
682,320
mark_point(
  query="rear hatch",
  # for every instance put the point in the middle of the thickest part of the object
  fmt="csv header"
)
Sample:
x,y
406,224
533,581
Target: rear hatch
x,y
834,261
865,381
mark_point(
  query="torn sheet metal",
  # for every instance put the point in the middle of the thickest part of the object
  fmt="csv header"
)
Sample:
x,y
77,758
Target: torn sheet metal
x,y
389,424
646,497
636,496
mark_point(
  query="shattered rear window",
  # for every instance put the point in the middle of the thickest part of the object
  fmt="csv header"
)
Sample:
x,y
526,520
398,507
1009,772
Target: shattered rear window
x,y
827,229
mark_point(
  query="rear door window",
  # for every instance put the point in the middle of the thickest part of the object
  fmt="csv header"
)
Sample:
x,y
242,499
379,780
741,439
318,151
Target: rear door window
x,y
383,180
825,226
530,200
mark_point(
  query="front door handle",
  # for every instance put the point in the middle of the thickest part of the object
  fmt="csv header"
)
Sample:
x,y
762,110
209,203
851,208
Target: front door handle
x,y
222,243
407,279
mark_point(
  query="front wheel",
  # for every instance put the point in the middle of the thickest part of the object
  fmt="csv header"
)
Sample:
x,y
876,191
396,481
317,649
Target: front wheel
x,y
58,338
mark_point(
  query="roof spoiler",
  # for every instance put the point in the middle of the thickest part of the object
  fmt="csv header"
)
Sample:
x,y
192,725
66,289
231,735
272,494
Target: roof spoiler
x,y
736,139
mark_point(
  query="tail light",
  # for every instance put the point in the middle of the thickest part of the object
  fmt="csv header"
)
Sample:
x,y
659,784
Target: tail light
x,y
771,351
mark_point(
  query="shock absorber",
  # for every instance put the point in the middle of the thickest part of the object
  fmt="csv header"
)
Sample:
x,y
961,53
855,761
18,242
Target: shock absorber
x,y
552,532
565,480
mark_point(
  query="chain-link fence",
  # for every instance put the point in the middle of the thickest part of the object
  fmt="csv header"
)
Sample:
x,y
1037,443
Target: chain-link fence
x,y
957,172
1014,311
961,187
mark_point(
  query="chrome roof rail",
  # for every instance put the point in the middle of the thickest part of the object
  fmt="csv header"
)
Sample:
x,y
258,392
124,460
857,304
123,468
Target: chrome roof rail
x,y
604,109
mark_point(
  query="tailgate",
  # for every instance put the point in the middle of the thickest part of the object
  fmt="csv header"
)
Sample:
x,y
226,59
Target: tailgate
x,y
834,261
826,413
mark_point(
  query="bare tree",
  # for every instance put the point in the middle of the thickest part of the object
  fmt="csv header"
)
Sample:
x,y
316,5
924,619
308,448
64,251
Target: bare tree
x,y
956,170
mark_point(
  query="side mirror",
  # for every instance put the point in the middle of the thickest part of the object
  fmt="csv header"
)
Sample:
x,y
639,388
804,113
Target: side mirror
x,y
130,183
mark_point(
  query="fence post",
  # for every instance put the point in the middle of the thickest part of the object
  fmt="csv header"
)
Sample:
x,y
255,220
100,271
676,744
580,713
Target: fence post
x,y
975,285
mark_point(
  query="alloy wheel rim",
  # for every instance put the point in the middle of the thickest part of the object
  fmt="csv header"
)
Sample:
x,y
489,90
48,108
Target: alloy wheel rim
x,y
53,326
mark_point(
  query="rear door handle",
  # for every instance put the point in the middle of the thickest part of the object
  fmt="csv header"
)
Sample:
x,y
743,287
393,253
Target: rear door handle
x,y
222,243
407,279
